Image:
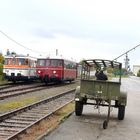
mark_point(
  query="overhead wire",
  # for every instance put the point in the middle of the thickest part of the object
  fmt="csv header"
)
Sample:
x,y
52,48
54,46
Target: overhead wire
x,y
45,52
127,51
10,38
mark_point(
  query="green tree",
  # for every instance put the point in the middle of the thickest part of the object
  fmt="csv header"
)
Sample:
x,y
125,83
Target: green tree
x,y
81,61
1,63
109,70
138,74
1,59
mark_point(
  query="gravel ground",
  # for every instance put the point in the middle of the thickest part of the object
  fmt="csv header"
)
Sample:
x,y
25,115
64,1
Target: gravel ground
x,y
19,101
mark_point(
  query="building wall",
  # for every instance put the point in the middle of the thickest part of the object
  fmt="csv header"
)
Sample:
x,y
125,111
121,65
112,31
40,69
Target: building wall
x,y
136,68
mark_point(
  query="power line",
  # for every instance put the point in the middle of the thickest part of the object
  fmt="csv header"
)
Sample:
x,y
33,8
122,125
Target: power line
x,y
18,42
127,66
127,52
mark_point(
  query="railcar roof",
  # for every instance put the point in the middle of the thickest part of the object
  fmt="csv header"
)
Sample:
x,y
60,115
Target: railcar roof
x,y
20,56
56,59
101,63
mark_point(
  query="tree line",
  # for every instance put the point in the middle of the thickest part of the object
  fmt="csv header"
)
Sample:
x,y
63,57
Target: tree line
x,y
1,65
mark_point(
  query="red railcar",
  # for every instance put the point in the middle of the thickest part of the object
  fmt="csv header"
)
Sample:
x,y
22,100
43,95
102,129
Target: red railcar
x,y
56,70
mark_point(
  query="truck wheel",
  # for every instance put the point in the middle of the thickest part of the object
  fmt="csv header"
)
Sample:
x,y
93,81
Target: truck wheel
x,y
78,108
121,112
105,124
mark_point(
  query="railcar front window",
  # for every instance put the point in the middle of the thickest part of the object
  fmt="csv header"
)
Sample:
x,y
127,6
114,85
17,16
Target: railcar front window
x,y
53,63
21,61
48,62
59,62
56,62
7,61
41,62
14,61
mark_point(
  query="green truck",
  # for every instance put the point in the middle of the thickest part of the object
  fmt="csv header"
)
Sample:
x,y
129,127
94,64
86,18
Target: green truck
x,y
100,92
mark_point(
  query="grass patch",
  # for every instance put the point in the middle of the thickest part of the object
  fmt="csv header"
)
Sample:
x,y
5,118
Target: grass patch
x,y
1,77
2,80
122,76
62,113
16,104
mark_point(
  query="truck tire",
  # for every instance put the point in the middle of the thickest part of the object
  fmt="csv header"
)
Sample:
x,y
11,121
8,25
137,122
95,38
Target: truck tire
x,y
78,108
121,112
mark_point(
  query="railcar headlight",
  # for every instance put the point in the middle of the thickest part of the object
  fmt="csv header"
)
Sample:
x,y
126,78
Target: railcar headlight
x,y
54,72
39,71
77,99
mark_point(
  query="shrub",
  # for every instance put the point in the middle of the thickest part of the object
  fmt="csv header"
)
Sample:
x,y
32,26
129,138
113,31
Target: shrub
x,y
1,66
138,74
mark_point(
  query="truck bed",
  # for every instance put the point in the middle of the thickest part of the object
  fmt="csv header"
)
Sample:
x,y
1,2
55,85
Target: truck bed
x,y
100,89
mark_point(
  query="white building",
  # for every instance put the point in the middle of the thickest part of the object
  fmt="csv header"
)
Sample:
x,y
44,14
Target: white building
x,y
136,68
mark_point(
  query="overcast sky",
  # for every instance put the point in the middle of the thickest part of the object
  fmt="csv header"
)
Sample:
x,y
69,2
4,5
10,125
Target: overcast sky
x,y
77,28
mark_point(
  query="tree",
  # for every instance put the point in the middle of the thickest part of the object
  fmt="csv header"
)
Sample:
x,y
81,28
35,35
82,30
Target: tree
x,y
1,63
138,74
81,61
110,70
1,59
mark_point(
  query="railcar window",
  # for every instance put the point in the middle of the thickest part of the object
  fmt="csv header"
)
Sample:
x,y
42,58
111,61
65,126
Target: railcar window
x,y
41,62
26,62
59,62
48,62
14,61
7,61
21,61
66,64
53,63
32,63
70,65
56,62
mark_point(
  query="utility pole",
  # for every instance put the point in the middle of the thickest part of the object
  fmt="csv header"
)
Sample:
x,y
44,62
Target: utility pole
x,y
126,62
56,52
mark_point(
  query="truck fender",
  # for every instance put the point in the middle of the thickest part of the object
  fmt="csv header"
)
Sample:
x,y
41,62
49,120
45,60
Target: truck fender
x,y
123,98
77,94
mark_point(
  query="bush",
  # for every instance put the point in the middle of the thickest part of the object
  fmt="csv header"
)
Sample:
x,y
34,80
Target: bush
x,y
1,66
138,74
1,69
1,59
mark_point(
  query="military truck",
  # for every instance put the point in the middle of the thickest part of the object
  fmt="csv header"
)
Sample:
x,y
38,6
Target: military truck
x,y
101,92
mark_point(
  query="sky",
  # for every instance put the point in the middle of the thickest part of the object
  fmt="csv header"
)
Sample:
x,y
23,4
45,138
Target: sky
x,y
78,29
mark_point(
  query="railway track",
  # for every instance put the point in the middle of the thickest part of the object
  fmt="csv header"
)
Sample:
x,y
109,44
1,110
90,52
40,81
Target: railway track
x,y
18,121
19,90
7,86
23,89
